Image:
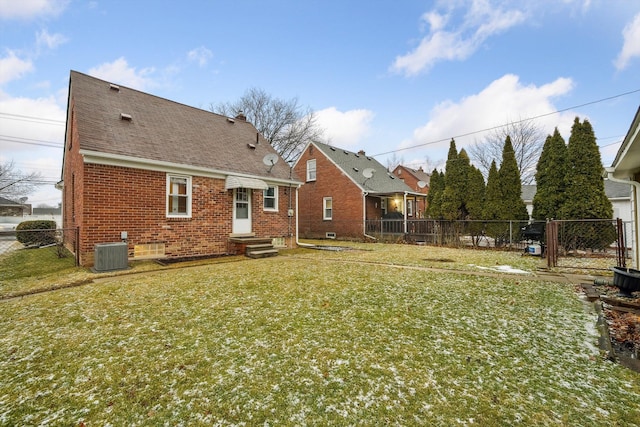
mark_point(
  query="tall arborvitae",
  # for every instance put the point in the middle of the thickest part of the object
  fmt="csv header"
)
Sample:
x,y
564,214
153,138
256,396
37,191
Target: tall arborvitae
x,y
434,197
493,195
511,186
551,178
455,190
475,193
586,198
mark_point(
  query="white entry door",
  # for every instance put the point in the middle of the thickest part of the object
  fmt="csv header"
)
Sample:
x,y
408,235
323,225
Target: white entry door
x,y
241,211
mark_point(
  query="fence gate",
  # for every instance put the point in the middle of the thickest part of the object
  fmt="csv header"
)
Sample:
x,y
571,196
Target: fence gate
x,y
587,244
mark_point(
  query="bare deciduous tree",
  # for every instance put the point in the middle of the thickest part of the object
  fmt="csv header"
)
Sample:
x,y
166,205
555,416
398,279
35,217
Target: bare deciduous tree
x,y
15,184
528,140
285,124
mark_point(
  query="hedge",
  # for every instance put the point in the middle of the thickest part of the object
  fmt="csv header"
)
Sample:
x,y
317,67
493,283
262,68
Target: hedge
x,y
36,233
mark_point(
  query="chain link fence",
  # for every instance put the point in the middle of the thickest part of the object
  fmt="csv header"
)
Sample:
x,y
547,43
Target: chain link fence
x,y
56,243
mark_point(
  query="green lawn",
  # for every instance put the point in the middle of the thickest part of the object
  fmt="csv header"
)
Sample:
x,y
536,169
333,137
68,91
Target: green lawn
x,y
305,338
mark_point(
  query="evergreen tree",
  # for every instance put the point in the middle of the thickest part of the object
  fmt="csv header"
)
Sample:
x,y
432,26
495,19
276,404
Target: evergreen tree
x,y
511,186
493,195
456,183
475,202
475,193
551,178
434,197
586,198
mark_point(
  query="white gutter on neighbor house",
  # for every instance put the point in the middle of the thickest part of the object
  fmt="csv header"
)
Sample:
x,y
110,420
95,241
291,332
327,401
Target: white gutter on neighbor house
x,y
634,206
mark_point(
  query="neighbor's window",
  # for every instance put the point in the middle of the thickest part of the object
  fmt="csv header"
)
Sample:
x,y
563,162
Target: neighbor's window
x,y
311,170
178,196
327,210
409,207
270,198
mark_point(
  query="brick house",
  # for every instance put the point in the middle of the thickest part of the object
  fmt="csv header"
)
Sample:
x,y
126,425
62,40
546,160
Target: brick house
x,y
9,208
418,180
169,179
348,195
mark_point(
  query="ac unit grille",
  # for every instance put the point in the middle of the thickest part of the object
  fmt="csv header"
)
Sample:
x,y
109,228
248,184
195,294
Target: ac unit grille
x,y
110,256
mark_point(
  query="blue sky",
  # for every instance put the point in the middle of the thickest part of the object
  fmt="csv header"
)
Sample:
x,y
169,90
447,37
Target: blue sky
x,y
381,75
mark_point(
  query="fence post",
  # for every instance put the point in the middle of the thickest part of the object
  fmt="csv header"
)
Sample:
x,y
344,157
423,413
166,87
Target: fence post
x,y
621,251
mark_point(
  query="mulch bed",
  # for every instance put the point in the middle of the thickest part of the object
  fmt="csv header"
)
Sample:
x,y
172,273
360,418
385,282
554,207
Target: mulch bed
x,y
621,316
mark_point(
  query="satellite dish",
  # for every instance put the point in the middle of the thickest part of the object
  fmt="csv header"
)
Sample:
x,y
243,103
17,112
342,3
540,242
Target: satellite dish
x,y
368,172
422,184
270,160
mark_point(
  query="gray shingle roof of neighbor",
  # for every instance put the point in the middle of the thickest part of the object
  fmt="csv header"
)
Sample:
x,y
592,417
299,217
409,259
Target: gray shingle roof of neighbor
x,y
613,190
117,120
353,165
7,202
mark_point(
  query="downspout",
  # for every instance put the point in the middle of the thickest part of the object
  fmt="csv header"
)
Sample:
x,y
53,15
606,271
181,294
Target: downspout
x,y
364,216
298,243
636,188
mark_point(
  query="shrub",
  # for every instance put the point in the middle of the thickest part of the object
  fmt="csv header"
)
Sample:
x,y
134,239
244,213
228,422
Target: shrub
x,y
36,233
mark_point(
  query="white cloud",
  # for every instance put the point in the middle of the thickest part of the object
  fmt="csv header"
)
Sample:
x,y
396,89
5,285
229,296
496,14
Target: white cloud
x,y
344,129
24,136
481,21
504,100
50,41
12,67
201,55
120,72
28,9
631,46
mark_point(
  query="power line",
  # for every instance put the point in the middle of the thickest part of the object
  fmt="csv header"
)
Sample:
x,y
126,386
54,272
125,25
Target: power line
x,y
24,118
511,123
30,141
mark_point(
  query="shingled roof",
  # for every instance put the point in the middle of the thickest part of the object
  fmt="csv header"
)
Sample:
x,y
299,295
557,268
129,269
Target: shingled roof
x,y
353,165
123,123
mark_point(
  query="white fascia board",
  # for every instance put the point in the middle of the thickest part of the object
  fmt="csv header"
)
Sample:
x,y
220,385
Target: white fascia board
x,y
99,158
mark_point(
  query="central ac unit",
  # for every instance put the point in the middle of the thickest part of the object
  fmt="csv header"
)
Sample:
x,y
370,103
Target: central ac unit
x,y
111,256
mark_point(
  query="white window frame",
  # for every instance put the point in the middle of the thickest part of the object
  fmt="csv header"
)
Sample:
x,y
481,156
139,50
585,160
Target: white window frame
x,y
170,214
274,198
311,170
324,208
409,207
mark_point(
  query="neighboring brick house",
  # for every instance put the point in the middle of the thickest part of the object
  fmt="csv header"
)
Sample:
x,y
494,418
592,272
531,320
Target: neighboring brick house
x,y
347,194
169,179
418,180
13,209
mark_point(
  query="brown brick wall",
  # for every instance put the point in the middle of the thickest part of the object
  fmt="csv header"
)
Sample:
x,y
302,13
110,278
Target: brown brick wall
x,y
120,199
330,182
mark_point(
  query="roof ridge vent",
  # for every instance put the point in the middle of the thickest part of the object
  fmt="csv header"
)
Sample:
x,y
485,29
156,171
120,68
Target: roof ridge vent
x,y
125,116
114,87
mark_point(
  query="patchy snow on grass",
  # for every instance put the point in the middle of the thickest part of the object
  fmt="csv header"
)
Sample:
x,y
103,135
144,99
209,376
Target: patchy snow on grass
x,y
501,269
295,341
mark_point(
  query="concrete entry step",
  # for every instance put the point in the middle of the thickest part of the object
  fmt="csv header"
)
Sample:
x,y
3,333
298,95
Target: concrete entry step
x,y
262,253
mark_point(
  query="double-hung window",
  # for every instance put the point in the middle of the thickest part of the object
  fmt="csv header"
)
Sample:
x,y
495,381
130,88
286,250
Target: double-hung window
x,y
327,208
409,207
311,170
270,199
178,196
